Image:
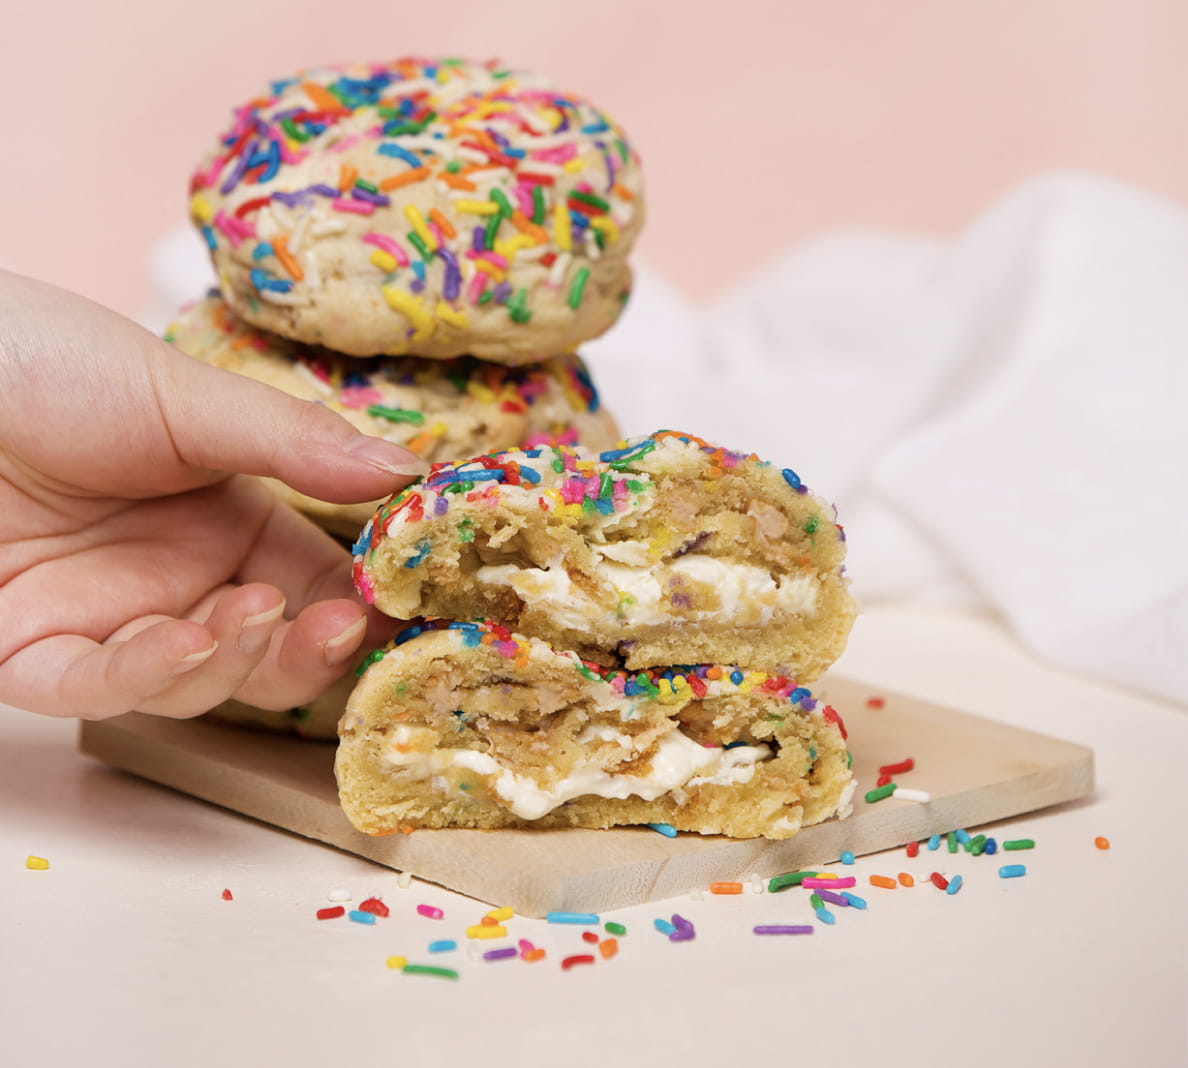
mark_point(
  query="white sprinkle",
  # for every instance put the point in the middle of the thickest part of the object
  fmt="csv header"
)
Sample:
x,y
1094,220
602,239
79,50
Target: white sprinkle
x,y
291,299
923,796
592,249
338,895
540,166
327,227
758,886
413,85
318,384
560,266
309,264
404,879
472,154
553,141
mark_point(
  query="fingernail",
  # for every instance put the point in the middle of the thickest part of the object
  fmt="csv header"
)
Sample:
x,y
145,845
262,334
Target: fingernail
x,y
256,630
342,646
388,457
188,663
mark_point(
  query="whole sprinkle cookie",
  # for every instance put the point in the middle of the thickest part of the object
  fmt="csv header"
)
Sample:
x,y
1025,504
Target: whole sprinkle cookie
x,y
438,409
427,207
459,724
664,550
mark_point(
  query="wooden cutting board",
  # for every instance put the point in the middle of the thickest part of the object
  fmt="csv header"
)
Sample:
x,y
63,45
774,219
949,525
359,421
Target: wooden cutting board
x,y
976,771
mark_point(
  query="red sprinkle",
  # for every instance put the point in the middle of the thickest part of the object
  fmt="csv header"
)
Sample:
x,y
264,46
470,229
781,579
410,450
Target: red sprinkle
x,y
913,848
227,895
331,913
882,780
876,702
895,769
374,905
939,881
589,936
577,958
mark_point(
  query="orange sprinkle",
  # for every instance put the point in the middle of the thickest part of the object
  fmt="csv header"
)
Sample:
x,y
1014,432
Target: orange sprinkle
x,y
883,881
726,888
608,947
713,673
489,921
346,177
1101,843
454,181
443,223
321,97
619,189
905,879
407,828
395,181
532,954
280,247
420,443
526,226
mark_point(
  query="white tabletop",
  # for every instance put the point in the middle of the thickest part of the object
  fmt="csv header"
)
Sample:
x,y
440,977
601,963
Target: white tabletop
x,y
125,953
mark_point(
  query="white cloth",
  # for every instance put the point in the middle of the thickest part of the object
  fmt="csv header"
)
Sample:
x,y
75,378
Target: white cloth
x,y
998,417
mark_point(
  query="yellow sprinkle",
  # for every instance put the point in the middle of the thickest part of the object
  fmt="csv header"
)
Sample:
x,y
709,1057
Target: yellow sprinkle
x,y
37,863
200,208
607,227
505,913
486,930
574,165
419,225
437,429
487,267
509,247
561,226
452,315
385,261
482,394
396,962
412,309
476,207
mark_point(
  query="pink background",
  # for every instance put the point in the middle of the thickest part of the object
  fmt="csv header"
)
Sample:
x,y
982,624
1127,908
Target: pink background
x,y
759,122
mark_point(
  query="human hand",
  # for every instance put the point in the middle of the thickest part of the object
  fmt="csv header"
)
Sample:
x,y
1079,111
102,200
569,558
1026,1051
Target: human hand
x,y
139,568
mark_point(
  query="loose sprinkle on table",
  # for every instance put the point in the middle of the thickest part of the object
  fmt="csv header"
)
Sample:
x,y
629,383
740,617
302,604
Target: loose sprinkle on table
x,y
1101,842
832,884
1012,871
37,863
1019,843
429,969
227,895
905,879
954,884
505,953
879,793
853,900
500,914
847,857
358,916
577,958
331,913
663,926
396,962
883,881
783,929
375,906
939,881
726,888
431,912
608,947
665,829
443,945
572,917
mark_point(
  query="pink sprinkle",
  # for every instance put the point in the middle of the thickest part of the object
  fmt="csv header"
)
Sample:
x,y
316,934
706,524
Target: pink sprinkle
x,y
525,946
387,244
490,257
291,155
828,884
345,143
523,193
573,490
360,397
431,911
557,154
358,207
478,283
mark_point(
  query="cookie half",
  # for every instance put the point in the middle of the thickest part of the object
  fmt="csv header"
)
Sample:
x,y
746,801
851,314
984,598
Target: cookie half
x,y
469,725
438,409
666,550
436,208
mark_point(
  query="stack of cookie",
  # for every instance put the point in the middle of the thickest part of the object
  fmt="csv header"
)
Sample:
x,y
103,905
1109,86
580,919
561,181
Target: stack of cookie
x,y
421,246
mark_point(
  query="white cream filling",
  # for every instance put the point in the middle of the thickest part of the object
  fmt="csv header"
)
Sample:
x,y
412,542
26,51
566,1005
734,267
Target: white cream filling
x,y
747,594
676,761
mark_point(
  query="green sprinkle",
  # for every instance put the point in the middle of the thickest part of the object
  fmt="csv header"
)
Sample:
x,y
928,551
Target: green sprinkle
x,y
951,841
791,878
538,205
491,229
1019,843
811,526
975,845
364,184
429,969
487,297
294,131
396,415
454,166
415,239
771,717
466,530
589,199
816,901
611,927
621,147
368,660
879,793
516,306
578,286
500,198
558,465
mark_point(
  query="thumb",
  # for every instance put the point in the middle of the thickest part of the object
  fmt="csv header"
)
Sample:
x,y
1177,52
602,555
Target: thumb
x,y
223,422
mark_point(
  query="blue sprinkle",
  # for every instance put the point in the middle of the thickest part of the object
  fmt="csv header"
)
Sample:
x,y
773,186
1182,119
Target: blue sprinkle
x,y
792,478
209,235
736,677
934,842
855,901
263,281
663,926
390,148
418,267
1012,871
422,551
361,917
409,633
666,829
847,857
954,884
824,915
991,847
360,547
528,475
595,127
798,695
443,945
262,250
962,836
573,917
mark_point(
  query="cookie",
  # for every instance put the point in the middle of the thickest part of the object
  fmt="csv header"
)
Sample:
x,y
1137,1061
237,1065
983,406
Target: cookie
x,y
667,550
439,409
470,725
317,720
436,208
